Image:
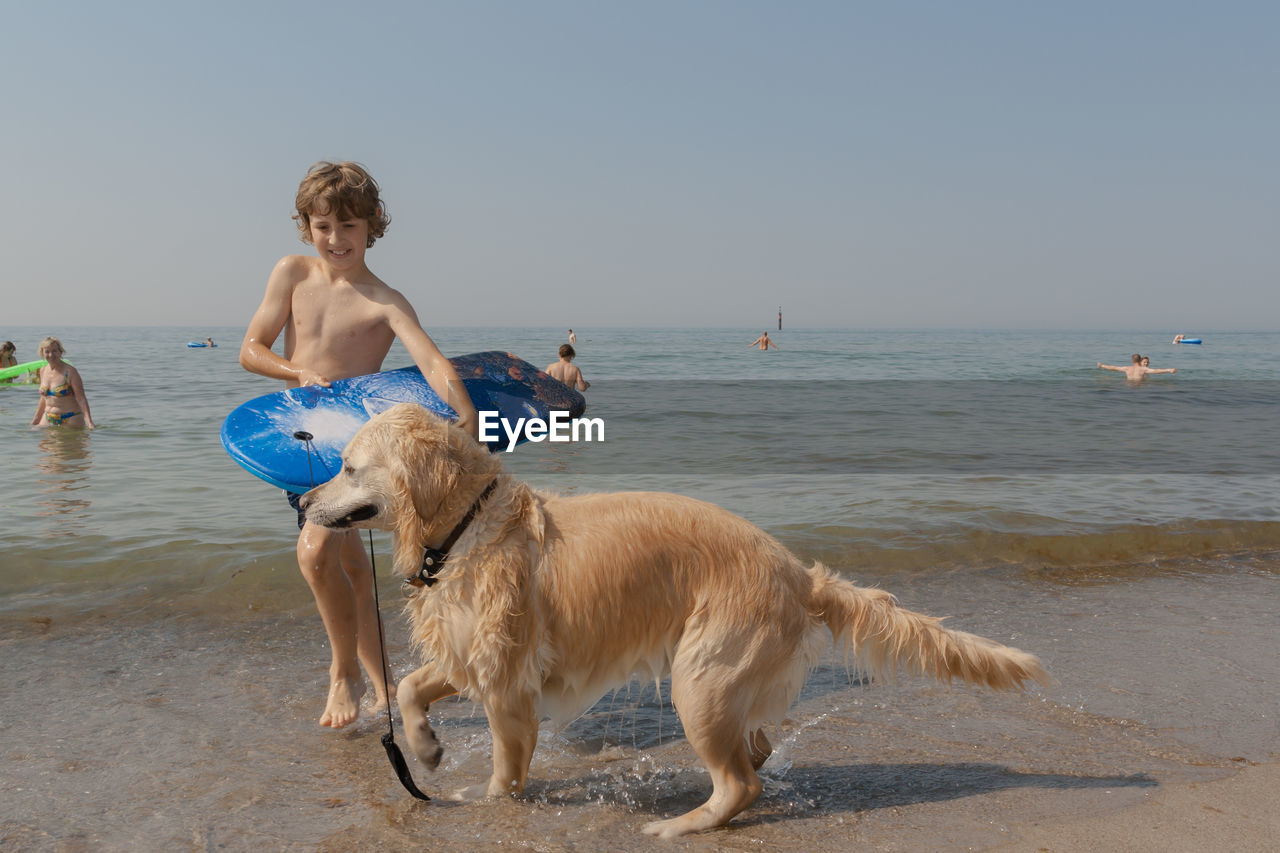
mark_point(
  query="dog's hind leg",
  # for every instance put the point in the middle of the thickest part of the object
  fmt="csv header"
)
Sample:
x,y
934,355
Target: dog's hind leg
x,y
514,726
417,691
713,724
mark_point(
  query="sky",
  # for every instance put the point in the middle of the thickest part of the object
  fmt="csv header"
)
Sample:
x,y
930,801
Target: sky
x,y
1083,165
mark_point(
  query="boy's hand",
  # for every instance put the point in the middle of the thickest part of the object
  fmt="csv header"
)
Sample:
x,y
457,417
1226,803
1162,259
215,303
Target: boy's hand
x,y
307,377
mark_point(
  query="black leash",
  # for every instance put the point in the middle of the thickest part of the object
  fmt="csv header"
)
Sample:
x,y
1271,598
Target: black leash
x,y
389,739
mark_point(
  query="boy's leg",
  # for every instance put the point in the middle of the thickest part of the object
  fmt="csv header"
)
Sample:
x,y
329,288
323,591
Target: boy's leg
x,y
320,561
369,647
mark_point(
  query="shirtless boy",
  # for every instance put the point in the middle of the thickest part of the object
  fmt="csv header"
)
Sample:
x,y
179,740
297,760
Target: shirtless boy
x,y
339,320
1137,370
763,342
566,371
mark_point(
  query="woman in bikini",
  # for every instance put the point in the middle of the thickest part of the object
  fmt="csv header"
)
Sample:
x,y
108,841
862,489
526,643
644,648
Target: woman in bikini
x,y
62,398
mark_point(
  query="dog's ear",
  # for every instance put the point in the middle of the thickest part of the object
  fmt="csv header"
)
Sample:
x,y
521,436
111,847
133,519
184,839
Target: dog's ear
x,y
420,480
437,470
409,538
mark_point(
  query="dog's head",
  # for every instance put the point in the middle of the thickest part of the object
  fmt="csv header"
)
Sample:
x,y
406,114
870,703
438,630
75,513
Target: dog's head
x,y
402,471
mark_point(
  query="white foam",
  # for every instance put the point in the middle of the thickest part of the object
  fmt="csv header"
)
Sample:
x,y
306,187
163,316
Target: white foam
x,y
330,427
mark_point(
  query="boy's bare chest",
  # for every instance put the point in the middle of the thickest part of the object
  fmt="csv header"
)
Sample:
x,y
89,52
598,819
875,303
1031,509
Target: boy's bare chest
x,y
334,313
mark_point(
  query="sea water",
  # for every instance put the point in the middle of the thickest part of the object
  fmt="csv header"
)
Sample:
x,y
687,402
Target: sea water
x,y
164,665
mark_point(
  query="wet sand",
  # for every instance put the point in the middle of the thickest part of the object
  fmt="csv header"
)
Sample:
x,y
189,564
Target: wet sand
x,y
162,727
1237,813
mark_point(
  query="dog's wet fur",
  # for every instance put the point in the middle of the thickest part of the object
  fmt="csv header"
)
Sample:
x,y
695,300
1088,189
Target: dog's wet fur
x,y
546,603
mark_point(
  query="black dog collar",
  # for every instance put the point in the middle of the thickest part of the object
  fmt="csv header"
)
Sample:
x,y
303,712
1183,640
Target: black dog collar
x,y
433,558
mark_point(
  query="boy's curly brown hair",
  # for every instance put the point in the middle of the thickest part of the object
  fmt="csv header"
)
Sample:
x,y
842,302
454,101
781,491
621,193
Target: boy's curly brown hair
x,y
345,190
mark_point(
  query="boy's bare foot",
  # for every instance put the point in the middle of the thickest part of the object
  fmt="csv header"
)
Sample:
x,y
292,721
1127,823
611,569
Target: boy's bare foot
x,y
343,706
380,702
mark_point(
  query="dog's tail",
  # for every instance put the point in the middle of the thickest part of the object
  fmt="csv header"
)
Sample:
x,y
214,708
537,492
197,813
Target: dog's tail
x,y
886,638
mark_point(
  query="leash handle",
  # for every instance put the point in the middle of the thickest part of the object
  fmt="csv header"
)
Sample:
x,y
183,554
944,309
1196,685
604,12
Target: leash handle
x,y
401,766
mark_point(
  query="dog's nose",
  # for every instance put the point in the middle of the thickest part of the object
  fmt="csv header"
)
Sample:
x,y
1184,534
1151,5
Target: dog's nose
x,y
304,501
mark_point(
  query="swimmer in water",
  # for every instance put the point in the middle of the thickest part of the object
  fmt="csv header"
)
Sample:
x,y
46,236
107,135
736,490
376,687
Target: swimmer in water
x,y
1137,370
62,398
566,371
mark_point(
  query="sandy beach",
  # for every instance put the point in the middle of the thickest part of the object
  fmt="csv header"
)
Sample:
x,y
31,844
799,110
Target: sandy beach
x,y
154,758
1236,813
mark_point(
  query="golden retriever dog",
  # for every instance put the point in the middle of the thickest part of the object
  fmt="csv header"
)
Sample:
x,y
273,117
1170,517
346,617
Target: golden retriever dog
x,y
546,603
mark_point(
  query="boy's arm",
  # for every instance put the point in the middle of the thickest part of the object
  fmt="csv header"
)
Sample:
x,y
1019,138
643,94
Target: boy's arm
x,y
1110,367
268,321
437,369
1164,370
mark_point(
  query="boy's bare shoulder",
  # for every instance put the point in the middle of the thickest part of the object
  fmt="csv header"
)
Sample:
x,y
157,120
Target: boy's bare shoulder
x,y
296,267
377,290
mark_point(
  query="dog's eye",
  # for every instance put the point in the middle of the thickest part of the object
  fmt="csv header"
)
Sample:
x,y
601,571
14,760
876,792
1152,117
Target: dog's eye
x,y
348,470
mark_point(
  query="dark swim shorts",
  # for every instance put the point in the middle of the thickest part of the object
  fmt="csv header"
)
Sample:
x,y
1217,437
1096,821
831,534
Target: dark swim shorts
x,y
294,497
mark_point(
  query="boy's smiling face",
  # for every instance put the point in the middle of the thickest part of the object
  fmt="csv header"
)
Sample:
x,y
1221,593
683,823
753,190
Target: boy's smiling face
x,y
340,242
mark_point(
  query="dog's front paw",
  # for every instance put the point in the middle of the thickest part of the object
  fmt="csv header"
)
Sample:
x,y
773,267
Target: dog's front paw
x,y
422,740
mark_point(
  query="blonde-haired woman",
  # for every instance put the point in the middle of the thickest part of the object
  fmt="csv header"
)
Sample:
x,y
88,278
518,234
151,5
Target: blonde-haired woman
x,y
62,398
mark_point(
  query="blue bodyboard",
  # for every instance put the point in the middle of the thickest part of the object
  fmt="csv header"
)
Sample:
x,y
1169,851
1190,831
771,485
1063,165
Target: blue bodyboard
x,y
260,434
